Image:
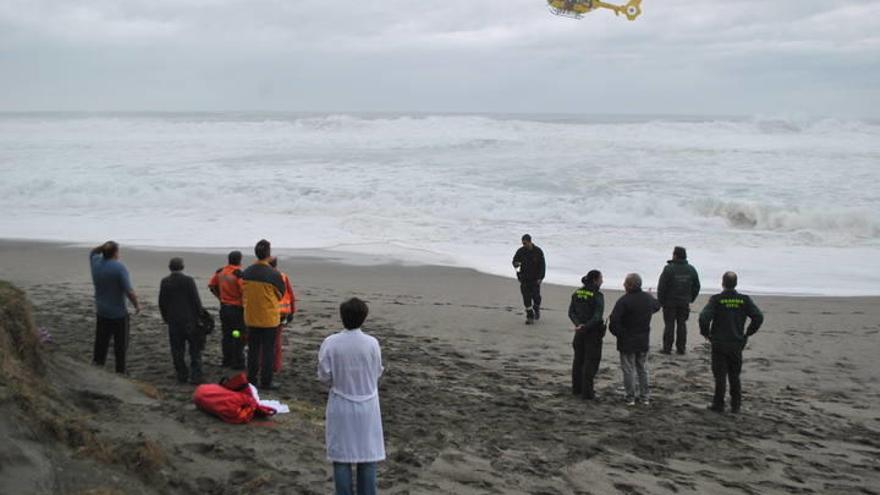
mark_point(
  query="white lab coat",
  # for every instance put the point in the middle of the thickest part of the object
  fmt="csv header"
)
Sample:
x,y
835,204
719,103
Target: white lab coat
x,y
350,363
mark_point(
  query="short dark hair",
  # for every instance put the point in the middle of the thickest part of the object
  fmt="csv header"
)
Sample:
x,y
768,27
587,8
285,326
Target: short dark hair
x,y
729,280
679,253
591,276
234,257
353,313
176,264
109,249
263,249
527,237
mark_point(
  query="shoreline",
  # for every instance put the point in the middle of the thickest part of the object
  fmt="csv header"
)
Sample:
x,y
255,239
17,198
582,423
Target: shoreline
x,y
358,259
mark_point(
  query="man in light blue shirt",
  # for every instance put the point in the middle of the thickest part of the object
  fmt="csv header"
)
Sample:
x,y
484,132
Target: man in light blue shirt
x,y
112,287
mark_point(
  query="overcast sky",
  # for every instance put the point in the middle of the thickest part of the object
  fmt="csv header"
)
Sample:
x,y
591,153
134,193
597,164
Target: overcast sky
x,y
767,57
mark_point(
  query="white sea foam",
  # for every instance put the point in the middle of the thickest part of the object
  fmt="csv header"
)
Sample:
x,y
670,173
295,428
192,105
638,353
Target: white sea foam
x,y
790,204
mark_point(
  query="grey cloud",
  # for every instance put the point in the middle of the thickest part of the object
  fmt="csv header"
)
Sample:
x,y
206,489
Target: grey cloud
x,y
710,56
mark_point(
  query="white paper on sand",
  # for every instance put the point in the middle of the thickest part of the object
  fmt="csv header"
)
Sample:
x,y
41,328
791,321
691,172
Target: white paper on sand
x,y
276,405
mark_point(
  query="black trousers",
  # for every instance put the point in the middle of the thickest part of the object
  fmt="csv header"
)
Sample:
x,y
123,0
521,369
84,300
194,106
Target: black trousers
x,y
531,293
182,336
232,318
261,349
726,366
587,356
675,316
105,329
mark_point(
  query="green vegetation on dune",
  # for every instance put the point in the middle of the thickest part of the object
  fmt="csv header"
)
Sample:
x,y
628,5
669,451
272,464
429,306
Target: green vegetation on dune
x,y
19,343
23,374
40,410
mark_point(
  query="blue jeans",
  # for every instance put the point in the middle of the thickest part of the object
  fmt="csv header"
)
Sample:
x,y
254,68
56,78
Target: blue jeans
x,y
366,478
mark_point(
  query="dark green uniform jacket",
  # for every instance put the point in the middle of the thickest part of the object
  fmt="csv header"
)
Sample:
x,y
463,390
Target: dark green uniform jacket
x,y
679,284
723,319
586,308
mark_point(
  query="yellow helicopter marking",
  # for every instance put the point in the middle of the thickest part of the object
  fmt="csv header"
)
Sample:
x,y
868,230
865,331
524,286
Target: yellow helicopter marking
x,y
577,8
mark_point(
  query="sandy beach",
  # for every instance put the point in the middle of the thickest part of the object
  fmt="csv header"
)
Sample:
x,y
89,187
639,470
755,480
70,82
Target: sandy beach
x,y
473,401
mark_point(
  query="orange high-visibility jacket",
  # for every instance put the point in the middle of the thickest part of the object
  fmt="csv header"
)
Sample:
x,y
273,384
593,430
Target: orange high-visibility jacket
x,y
227,283
288,302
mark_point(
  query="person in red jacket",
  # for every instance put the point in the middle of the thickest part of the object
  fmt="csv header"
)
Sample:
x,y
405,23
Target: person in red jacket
x,y
286,310
226,286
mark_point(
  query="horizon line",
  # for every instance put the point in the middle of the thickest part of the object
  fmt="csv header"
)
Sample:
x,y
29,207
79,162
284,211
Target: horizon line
x,y
772,115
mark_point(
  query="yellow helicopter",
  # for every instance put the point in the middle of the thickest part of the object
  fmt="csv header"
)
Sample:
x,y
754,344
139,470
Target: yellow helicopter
x,y
577,8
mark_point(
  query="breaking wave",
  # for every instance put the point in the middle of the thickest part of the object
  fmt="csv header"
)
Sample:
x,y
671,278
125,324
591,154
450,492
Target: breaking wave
x,y
857,223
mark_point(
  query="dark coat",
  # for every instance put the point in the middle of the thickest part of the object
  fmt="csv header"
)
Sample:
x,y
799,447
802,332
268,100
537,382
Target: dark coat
x,y
631,321
531,262
679,284
179,300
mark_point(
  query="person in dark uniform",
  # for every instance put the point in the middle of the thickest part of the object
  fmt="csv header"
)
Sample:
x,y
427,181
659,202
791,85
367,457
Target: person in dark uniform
x,y
723,322
678,287
226,286
180,305
585,312
530,267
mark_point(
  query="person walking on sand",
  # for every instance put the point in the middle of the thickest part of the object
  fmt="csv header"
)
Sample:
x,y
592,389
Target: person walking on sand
x,y
350,363
226,285
530,268
262,291
678,287
585,312
631,324
112,287
181,306
286,309
722,322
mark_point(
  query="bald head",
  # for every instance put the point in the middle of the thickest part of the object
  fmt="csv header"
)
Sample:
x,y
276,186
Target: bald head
x,y
728,281
632,282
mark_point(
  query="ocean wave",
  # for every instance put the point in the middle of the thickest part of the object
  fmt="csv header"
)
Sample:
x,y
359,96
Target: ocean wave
x,y
463,132
857,223
457,185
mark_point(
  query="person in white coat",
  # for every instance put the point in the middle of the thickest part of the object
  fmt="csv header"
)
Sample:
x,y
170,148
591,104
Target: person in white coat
x,y
350,363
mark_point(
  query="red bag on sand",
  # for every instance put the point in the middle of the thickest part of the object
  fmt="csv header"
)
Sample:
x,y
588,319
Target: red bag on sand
x,y
237,382
231,406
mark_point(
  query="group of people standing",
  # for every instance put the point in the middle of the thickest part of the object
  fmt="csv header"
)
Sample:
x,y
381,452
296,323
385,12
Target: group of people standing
x,y
254,304
722,323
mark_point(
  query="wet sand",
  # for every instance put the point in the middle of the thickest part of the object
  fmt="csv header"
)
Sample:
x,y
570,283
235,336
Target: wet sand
x,y
473,400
